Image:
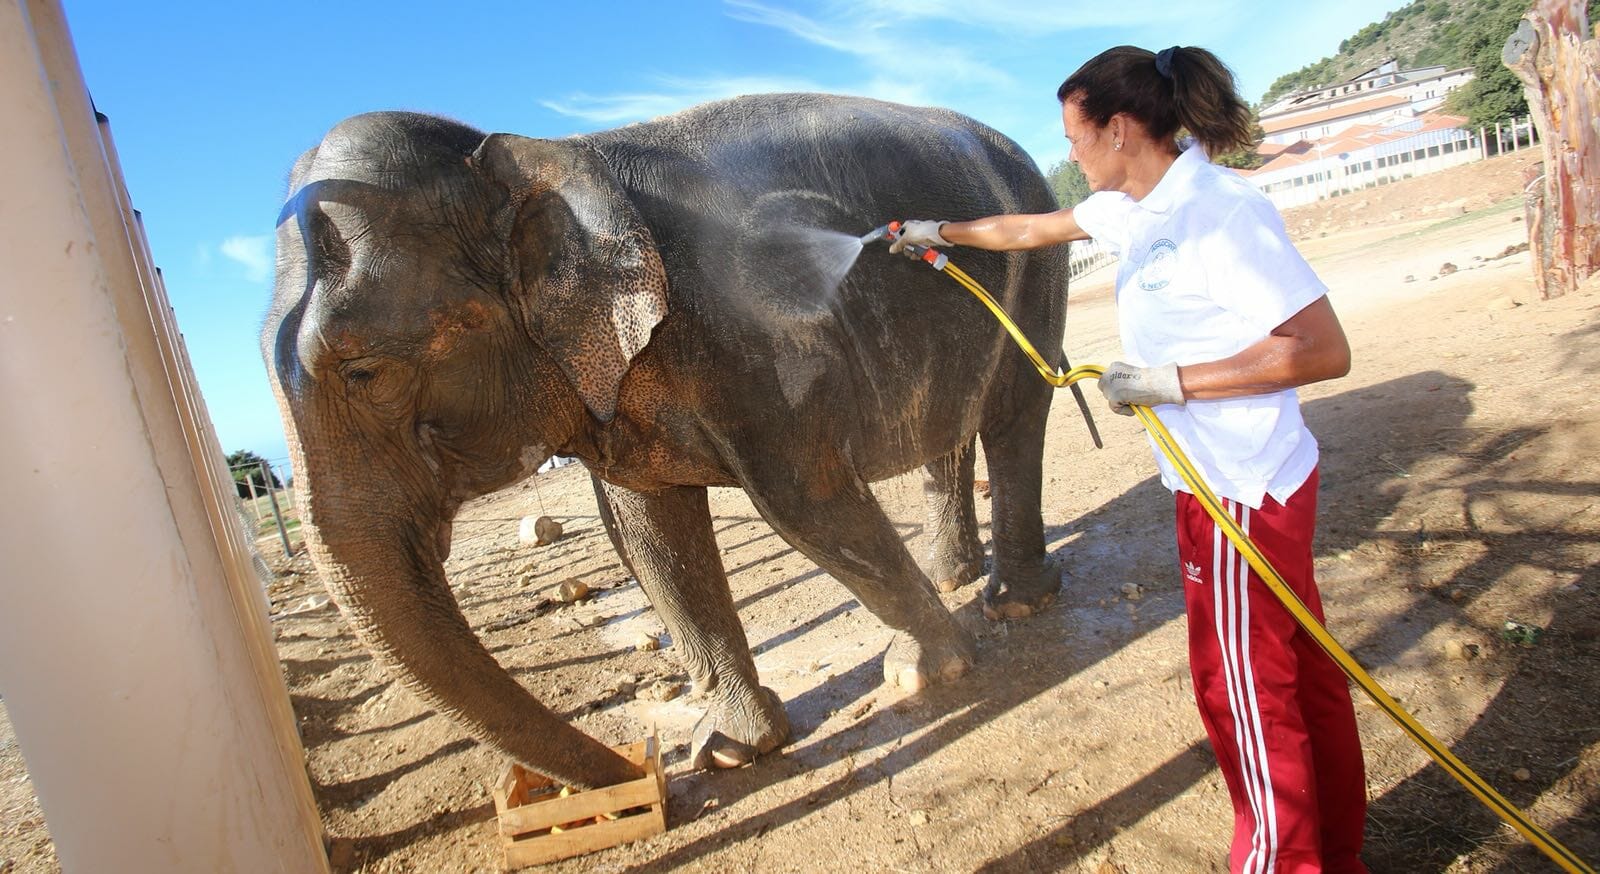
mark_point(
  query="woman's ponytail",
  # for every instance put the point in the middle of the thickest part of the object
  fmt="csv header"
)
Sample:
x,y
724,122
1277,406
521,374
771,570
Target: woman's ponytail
x,y
1183,86
1207,102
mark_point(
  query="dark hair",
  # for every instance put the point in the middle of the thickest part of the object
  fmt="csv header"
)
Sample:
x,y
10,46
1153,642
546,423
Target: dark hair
x,y
1183,86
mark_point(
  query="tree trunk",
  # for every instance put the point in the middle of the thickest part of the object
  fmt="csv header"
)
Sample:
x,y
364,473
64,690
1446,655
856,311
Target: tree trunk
x,y
1558,61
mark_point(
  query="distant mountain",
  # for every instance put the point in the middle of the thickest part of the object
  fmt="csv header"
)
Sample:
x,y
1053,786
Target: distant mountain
x,y
1455,33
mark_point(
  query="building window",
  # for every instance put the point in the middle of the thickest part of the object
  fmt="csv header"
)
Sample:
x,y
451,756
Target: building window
x,y
1433,151
1418,154
1365,166
1449,147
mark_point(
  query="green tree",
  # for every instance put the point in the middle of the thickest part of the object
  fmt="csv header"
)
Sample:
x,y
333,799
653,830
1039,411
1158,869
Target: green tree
x,y
1494,94
246,465
1069,184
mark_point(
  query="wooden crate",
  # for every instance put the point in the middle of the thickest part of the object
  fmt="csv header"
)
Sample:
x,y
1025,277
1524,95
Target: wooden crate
x,y
529,804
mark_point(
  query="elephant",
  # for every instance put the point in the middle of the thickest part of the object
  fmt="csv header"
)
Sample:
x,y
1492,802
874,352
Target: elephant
x,y
453,308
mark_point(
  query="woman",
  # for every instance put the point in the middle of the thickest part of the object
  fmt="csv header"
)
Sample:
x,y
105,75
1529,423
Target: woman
x,y
1220,320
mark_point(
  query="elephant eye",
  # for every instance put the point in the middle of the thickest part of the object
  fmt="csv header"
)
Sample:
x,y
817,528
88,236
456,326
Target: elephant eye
x,y
358,372
375,381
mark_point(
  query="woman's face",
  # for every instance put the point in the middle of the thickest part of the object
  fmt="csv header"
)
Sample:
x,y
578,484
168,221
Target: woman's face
x,y
1093,148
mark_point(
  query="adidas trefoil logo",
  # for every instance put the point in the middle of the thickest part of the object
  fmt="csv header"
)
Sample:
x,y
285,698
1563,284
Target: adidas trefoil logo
x,y
1191,572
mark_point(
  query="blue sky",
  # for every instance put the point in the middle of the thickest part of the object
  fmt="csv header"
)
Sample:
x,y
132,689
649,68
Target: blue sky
x,y
210,103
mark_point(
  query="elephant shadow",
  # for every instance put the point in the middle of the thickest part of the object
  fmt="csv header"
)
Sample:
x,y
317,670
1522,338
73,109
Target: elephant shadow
x,y
1372,438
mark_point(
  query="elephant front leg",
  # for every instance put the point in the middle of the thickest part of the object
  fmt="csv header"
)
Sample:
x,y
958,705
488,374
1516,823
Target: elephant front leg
x,y
955,554
670,546
1024,580
833,519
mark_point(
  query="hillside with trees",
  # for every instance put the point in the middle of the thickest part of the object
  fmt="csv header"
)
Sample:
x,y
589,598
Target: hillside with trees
x,y
1454,33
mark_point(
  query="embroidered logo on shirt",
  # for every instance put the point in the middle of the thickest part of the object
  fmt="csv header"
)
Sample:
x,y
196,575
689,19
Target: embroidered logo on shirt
x,y
1191,573
1159,265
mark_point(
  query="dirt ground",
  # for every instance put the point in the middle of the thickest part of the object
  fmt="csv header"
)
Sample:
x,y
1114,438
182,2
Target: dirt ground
x,y
1459,492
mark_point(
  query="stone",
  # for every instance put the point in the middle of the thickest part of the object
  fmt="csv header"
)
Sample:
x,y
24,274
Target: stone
x,y
1410,278
646,642
918,818
1132,591
1460,651
1522,775
548,530
315,602
1446,269
660,690
342,855
573,590
540,531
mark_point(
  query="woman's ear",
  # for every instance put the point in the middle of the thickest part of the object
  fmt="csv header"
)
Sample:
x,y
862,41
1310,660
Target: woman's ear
x,y
592,283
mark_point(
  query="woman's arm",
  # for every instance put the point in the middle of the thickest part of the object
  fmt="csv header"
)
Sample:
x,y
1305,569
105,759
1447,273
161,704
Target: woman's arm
x,y
1309,347
1006,232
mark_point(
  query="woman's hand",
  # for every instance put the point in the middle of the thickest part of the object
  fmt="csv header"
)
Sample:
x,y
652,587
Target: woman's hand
x,y
919,232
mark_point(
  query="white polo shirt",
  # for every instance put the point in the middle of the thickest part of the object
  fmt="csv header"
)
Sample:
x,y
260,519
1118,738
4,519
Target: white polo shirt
x,y
1207,270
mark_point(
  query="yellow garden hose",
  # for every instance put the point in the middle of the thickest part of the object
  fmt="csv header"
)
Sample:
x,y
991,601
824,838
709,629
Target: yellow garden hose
x,y
1169,447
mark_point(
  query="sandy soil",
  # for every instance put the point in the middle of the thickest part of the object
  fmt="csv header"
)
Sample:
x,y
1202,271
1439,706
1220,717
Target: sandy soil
x,y
1458,493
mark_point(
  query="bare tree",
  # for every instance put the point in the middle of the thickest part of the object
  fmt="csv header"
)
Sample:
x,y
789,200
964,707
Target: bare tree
x,y
1557,58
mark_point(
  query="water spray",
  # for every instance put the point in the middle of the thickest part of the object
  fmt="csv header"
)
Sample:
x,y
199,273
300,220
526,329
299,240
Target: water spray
x,y
1510,813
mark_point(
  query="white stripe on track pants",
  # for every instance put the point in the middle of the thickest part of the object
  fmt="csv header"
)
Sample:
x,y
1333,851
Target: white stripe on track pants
x,y
1276,707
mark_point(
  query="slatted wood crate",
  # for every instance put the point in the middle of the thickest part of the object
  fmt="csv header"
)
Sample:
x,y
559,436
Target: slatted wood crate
x,y
538,825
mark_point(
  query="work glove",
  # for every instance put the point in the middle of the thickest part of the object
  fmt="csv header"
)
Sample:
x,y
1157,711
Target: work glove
x,y
1124,384
918,232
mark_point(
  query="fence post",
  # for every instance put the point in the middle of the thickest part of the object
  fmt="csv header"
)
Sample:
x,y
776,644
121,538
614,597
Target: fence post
x,y
277,515
255,511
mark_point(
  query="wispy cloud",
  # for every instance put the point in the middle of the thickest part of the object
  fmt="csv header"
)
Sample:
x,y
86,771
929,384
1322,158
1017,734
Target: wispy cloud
x,y
883,43
899,66
254,253
1059,16
675,93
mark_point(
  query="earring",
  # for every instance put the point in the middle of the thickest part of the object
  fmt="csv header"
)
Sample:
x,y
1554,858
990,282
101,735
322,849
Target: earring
x,y
1116,147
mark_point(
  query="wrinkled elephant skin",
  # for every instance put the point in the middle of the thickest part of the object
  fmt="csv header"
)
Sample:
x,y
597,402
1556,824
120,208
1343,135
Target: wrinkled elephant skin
x,y
452,309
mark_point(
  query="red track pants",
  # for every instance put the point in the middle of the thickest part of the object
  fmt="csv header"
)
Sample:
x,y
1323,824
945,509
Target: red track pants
x,y
1276,707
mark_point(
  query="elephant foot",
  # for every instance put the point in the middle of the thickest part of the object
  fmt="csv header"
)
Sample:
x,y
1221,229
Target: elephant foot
x,y
1019,598
914,667
733,734
951,573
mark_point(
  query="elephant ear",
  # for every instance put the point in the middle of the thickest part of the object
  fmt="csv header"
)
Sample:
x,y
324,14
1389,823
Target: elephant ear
x,y
592,282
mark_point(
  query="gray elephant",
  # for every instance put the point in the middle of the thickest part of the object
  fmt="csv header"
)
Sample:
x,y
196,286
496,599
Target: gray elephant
x,y
452,309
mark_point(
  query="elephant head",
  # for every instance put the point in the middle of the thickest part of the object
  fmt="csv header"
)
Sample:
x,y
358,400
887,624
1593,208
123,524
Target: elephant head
x,y
449,310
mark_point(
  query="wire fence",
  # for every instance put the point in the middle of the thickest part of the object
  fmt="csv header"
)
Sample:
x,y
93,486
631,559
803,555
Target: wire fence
x,y
267,506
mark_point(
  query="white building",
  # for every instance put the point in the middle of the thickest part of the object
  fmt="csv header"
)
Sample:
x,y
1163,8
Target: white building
x,y
1361,156
1382,96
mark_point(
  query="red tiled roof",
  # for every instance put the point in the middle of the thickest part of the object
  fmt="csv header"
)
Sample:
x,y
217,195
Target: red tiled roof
x,y
1355,137
1359,107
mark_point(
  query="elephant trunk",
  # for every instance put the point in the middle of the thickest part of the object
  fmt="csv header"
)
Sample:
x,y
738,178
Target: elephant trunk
x,y
389,581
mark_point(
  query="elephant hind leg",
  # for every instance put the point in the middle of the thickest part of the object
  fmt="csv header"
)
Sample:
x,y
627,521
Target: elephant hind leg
x,y
834,519
1024,580
955,553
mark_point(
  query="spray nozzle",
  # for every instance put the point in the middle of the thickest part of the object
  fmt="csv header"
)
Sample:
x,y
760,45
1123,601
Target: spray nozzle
x,y
888,234
891,232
